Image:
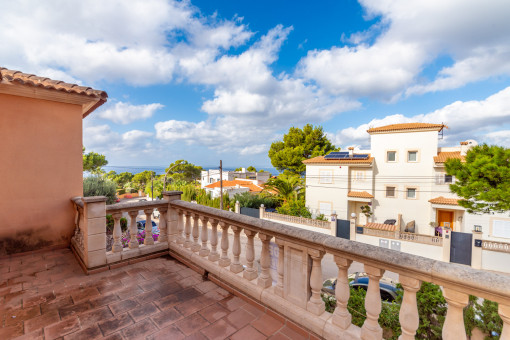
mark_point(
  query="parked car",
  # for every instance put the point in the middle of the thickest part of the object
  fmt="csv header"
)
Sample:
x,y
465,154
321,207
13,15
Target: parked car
x,y
387,287
141,226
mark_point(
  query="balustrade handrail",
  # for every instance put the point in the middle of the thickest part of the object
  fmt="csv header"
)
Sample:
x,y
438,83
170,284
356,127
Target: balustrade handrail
x,y
298,219
462,278
133,205
496,246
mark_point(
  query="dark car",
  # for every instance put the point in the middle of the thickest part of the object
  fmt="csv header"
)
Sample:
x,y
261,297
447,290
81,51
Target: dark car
x,y
141,226
387,288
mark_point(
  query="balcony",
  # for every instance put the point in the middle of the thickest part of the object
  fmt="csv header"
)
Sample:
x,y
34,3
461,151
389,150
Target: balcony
x,y
217,274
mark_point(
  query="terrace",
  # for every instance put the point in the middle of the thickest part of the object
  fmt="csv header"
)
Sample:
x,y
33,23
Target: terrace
x,y
202,279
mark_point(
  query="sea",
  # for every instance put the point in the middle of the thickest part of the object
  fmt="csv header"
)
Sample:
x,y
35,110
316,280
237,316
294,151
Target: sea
x,y
160,170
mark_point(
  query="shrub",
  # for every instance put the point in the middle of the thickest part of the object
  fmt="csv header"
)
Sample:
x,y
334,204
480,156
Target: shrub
x,y
294,207
121,191
247,200
97,186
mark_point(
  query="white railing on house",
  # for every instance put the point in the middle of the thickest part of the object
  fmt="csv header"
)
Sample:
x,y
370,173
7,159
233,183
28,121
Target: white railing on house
x,y
397,235
298,220
496,246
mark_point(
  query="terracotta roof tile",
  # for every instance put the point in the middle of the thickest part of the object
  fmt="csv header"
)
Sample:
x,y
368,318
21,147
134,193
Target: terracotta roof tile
x,y
381,226
322,160
240,182
444,156
407,126
359,194
13,76
443,200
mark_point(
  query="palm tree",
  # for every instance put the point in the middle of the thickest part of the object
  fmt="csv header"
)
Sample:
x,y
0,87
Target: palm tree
x,y
287,186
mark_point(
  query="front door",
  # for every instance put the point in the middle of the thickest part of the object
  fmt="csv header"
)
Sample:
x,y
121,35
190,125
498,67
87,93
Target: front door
x,y
445,216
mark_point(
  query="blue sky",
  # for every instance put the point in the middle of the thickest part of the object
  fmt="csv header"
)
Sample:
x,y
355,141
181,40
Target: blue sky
x,y
210,80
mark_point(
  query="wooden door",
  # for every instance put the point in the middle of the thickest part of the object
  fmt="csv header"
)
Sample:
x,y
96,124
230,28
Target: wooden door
x,y
445,216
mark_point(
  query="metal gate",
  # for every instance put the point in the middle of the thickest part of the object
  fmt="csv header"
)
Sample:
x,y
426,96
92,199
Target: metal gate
x,y
460,250
250,212
343,229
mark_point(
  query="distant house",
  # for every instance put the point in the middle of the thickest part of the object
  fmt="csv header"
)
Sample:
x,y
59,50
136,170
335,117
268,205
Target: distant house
x,y
233,187
212,176
402,174
41,151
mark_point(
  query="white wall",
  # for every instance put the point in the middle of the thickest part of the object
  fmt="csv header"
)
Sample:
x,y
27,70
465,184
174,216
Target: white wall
x,y
496,261
302,226
420,249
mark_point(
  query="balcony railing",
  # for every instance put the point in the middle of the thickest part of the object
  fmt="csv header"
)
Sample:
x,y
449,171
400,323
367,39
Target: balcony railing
x,y
296,291
397,235
298,220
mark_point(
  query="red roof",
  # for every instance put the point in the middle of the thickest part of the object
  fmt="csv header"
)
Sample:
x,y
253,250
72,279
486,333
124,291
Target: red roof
x,y
359,194
443,200
236,182
444,156
407,126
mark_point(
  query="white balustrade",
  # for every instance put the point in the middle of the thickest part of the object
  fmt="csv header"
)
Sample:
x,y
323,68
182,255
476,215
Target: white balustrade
x,y
214,255
133,230
250,273
148,227
224,260
341,316
278,289
204,250
264,279
195,246
163,233
236,266
371,328
315,304
453,328
409,317
117,233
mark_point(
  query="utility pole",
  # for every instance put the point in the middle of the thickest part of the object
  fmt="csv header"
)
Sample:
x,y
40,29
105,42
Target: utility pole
x,y
221,185
152,187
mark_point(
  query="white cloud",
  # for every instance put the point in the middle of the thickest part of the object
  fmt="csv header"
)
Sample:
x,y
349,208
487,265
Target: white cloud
x,y
412,35
465,119
125,113
254,149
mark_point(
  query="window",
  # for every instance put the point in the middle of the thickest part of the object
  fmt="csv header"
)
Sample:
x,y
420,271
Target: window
x,y
411,193
326,176
444,179
412,156
501,228
390,192
448,179
359,176
391,156
211,180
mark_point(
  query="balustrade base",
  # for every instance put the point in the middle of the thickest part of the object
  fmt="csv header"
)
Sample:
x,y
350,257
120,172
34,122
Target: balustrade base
x,y
204,252
214,257
127,253
224,262
250,274
236,268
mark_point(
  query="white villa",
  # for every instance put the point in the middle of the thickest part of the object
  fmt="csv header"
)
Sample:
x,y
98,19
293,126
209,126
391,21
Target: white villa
x,y
402,174
212,176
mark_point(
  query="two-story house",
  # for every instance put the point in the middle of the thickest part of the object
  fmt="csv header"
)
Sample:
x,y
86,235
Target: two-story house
x,y
401,175
212,176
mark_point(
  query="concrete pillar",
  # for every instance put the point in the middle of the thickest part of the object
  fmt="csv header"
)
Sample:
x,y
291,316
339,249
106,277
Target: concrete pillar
x,y
353,228
172,215
94,231
476,252
333,223
237,208
447,241
262,209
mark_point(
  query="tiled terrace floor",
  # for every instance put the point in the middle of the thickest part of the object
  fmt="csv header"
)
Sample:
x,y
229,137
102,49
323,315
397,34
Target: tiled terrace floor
x,y
47,296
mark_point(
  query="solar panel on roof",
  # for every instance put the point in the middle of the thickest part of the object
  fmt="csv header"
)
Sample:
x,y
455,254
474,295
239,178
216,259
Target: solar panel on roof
x,y
337,155
360,156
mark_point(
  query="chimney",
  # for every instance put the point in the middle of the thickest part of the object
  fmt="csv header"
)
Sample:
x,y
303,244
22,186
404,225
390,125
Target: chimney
x,y
243,169
351,151
466,146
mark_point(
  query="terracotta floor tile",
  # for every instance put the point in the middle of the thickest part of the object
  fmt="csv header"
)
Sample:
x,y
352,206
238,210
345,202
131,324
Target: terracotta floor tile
x,y
84,294
218,330
139,330
114,336
132,280
232,302
110,287
252,310
279,336
115,324
192,324
214,312
150,296
191,306
248,332
166,317
143,311
169,278
90,333
267,324
188,281
103,300
93,316
53,305
151,285
217,294
187,294
11,332
169,288
74,309
168,333
16,316
41,321
35,335
129,292
240,318
62,328
167,301
206,286
196,336
123,306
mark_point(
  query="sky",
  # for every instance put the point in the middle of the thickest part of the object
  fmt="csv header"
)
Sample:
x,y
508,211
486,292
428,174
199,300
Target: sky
x,y
208,80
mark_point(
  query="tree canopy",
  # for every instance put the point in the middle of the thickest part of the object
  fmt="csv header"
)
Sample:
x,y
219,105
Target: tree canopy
x,y
298,145
251,168
142,178
183,170
483,180
92,162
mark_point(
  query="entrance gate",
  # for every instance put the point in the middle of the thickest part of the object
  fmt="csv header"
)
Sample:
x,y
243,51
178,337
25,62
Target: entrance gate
x,y
460,250
343,229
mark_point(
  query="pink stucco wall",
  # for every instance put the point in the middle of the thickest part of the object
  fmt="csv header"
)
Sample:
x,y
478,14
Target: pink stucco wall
x,y
40,171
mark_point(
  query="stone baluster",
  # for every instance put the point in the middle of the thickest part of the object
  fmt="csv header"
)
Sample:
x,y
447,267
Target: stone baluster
x,y
341,316
453,327
195,246
224,260
236,266
187,230
250,273
265,277
371,328
148,227
409,317
278,289
117,233
163,230
133,230
179,239
214,255
315,304
504,313
204,250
